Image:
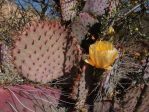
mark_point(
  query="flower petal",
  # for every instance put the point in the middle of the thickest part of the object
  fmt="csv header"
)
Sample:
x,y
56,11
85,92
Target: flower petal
x,y
102,54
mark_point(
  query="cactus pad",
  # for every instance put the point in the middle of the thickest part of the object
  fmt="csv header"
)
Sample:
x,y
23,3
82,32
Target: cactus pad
x,y
68,8
103,106
25,98
99,7
79,90
144,106
146,71
131,98
82,24
44,51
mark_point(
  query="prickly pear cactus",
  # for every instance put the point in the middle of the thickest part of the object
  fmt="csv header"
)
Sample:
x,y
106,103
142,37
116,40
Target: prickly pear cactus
x,y
27,98
7,73
146,70
103,106
81,25
131,98
86,19
68,9
99,7
80,91
44,51
144,105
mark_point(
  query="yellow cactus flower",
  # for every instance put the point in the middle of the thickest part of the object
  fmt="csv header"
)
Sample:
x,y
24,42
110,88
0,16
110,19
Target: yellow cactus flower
x,y
136,29
102,54
111,31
